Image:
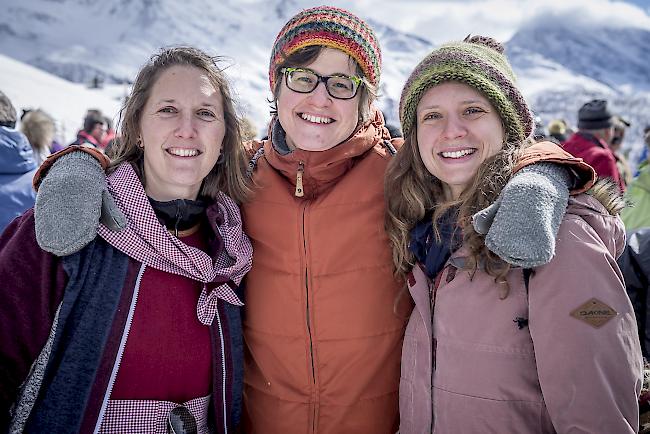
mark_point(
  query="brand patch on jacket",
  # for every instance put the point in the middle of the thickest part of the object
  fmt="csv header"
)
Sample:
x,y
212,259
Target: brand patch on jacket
x,y
594,312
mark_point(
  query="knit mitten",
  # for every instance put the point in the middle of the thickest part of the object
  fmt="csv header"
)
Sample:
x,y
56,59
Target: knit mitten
x,y
521,225
70,202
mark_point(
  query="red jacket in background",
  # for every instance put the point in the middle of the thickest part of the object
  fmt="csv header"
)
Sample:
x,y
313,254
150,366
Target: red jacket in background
x,y
596,153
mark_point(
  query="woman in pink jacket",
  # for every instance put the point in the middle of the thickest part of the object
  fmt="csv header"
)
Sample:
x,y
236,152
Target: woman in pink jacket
x,y
491,348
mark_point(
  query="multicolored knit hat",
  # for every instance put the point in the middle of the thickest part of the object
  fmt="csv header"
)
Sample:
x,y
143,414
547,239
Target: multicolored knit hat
x,y
330,27
479,62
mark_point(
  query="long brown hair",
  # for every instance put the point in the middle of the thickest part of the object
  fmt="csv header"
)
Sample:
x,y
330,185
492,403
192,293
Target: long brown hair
x,y
412,193
228,175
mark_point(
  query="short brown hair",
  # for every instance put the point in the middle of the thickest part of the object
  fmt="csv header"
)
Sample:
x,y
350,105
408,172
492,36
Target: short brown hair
x,y
307,55
229,176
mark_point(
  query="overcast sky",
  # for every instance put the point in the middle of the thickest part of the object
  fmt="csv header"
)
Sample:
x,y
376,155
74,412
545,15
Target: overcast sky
x,y
443,20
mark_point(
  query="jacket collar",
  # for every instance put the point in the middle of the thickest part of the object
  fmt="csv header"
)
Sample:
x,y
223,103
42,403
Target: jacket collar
x,y
322,169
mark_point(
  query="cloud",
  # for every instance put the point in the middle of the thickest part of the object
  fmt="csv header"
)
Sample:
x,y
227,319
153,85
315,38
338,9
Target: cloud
x,y
444,20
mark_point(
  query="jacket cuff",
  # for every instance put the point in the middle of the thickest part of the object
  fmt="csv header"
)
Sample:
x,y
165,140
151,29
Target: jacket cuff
x,y
51,159
584,176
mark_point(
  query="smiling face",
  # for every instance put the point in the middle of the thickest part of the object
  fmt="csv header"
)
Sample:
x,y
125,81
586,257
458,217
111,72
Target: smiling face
x,y
182,129
457,130
316,121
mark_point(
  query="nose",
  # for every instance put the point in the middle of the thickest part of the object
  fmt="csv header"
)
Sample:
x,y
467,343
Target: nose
x,y
319,96
454,128
186,127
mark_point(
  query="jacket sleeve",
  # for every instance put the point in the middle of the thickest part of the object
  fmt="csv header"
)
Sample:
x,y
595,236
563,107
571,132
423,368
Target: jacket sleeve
x,y
53,158
590,377
31,289
584,174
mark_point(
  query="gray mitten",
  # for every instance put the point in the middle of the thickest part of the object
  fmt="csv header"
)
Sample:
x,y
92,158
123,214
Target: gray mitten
x,y
70,201
521,225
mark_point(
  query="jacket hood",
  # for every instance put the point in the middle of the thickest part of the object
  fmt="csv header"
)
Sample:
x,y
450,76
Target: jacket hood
x,y
600,208
323,168
16,155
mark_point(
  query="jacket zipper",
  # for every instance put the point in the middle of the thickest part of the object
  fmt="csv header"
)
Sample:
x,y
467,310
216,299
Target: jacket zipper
x,y
433,291
307,312
300,191
223,376
120,351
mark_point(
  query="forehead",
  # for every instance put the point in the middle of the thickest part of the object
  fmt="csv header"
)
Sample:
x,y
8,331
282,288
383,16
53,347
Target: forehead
x,y
451,93
179,81
333,61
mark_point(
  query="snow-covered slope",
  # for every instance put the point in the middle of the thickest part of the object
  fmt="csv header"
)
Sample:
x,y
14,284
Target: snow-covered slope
x,y
29,88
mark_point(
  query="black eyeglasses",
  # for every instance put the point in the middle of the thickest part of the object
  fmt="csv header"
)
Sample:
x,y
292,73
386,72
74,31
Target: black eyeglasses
x,y
181,421
303,80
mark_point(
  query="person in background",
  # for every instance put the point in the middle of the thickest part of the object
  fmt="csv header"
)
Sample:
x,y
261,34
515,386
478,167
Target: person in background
x,y
643,158
591,141
616,145
557,129
140,331
17,166
93,131
39,128
109,137
490,347
324,319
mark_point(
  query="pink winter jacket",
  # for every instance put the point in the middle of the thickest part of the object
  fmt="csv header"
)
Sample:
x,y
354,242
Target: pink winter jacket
x,y
495,372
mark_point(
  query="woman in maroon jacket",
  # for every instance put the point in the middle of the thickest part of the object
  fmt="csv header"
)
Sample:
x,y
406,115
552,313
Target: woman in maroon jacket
x,y
140,330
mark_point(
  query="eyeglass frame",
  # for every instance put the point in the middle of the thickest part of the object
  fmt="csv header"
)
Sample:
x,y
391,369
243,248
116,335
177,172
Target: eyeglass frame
x,y
357,81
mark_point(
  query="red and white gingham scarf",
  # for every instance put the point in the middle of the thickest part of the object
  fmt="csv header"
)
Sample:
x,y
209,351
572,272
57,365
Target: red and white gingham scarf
x,y
148,241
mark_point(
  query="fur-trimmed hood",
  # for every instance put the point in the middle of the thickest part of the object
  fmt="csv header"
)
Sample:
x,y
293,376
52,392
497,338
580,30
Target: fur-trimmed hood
x,y
600,207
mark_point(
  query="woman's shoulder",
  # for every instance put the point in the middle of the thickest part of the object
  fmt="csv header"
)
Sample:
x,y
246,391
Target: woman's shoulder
x,y
595,215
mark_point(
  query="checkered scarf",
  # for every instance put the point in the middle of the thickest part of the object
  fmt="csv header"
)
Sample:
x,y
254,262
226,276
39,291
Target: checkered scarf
x,y
148,241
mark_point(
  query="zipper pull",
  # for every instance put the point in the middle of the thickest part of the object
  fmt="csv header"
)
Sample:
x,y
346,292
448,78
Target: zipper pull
x,y
299,190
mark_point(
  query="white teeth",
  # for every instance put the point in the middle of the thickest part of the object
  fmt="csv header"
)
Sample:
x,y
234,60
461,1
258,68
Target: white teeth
x,y
182,152
457,154
316,119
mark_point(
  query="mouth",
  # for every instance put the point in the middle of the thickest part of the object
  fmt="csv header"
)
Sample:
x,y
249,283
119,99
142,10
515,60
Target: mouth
x,y
316,119
183,152
458,154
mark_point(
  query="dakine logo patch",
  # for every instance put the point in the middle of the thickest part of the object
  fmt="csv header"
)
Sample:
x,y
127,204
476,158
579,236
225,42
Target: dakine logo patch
x,y
594,312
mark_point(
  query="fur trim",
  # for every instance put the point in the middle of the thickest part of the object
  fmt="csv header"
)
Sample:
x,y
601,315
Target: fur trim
x,y
607,192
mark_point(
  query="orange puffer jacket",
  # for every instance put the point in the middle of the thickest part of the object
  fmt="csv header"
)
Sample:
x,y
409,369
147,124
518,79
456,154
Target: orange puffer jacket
x,y
323,326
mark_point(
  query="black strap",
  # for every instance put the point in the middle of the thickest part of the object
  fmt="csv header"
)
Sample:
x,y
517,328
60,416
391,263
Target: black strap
x,y
389,147
528,272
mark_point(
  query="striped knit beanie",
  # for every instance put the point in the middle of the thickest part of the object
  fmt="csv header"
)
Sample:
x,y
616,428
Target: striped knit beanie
x,y
479,62
329,27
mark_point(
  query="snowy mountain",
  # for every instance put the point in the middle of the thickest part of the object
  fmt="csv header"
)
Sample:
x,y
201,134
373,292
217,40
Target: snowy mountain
x,y
110,39
561,64
561,61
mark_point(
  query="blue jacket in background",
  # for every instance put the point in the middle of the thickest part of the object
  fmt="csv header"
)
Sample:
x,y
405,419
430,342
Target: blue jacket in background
x,y
17,168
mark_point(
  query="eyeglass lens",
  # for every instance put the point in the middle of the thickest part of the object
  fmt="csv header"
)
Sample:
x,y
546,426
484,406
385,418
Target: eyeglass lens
x,y
305,81
181,421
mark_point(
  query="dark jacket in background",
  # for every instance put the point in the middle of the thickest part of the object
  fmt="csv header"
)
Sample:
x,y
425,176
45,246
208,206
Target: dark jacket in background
x,y
635,265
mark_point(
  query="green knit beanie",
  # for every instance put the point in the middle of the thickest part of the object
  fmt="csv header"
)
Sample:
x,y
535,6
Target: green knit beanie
x,y
479,62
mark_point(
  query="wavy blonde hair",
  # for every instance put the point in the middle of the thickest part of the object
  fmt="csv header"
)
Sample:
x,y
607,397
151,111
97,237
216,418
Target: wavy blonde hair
x,y
229,175
412,193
